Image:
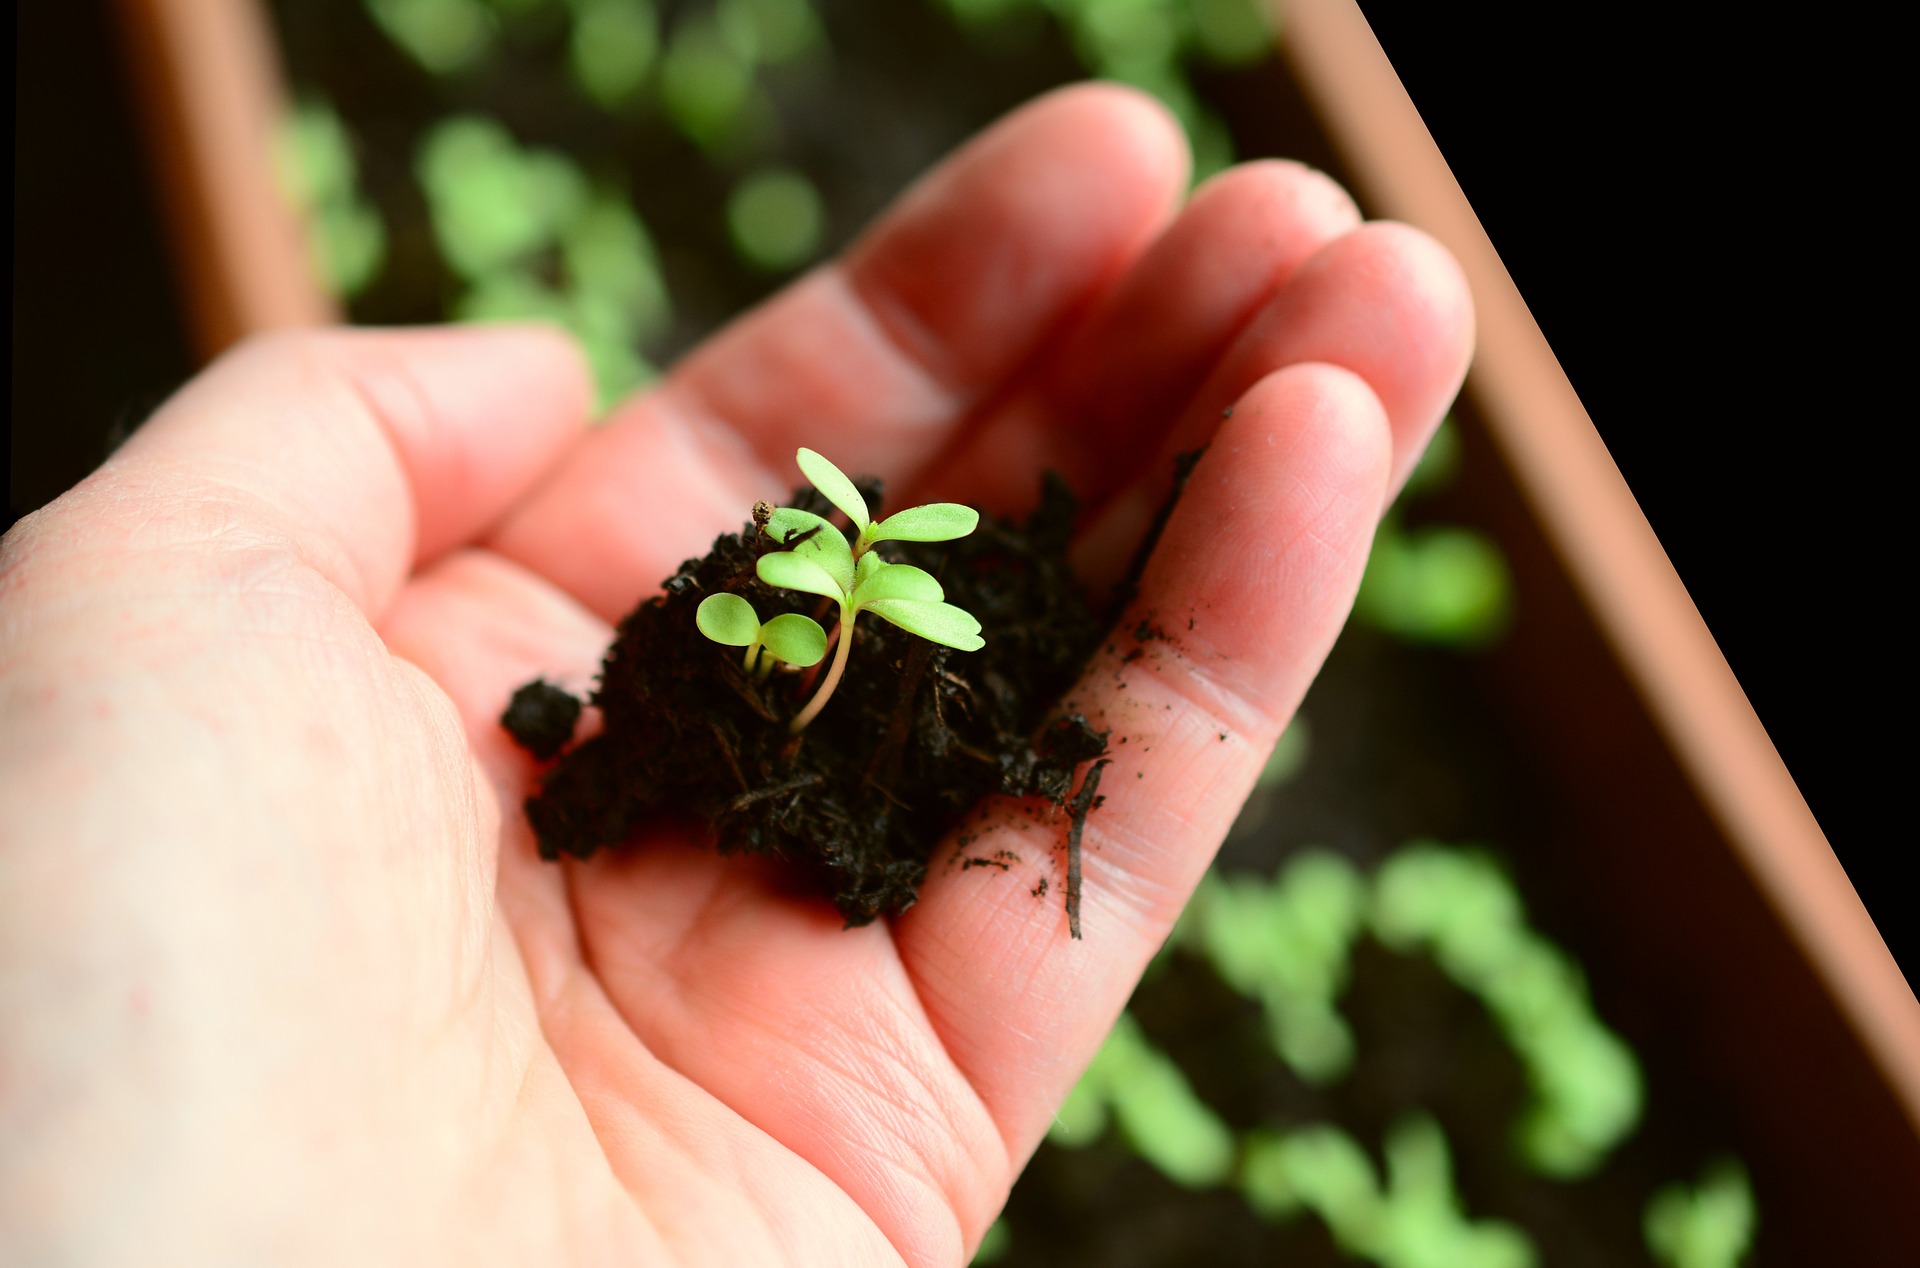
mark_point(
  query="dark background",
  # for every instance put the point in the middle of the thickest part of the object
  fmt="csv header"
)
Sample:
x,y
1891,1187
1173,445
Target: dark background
x,y
1672,194
1680,197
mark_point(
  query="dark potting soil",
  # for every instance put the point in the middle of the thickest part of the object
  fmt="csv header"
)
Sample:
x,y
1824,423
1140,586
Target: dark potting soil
x,y
916,734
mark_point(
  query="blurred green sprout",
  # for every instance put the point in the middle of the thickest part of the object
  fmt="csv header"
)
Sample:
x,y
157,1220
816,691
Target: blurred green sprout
x,y
1414,1221
1442,585
1288,945
508,219
1133,1082
776,219
993,1243
1586,1084
770,32
1149,44
443,36
315,163
612,47
707,83
1711,1226
818,560
709,76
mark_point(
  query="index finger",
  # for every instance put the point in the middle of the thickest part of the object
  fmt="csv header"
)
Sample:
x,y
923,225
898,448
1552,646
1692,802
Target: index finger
x,y
875,360
1240,603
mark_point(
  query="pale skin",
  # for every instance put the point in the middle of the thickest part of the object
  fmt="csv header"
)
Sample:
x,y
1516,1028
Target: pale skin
x,y
281,977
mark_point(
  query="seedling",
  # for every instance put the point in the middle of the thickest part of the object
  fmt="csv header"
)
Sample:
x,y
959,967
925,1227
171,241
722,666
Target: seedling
x,y
790,638
820,561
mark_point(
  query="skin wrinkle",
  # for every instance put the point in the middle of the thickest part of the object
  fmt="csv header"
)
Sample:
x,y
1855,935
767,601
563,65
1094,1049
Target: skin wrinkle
x,y
701,427
699,1229
557,1024
517,1048
693,1139
916,987
893,1161
1020,971
399,407
320,362
472,877
241,534
906,334
844,1057
943,1088
897,330
721,902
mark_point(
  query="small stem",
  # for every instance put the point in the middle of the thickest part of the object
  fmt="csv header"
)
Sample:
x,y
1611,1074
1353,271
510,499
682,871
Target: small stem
x,y
1077,809
819,700
746,666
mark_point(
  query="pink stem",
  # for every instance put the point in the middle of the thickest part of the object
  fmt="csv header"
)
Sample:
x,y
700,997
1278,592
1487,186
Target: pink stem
x,y
812,711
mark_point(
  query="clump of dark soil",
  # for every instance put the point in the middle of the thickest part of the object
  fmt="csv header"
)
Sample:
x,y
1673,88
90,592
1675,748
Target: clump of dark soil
x,y
542,718
915,735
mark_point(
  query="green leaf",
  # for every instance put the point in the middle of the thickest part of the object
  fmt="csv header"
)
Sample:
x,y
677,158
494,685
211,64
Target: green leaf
x,y
728,619
896,581
936,622
796,639
834,484
827,547
934,522
613,47
790,572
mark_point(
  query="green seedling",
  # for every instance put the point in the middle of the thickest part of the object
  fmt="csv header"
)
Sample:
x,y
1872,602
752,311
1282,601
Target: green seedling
x,y
789,638
819,560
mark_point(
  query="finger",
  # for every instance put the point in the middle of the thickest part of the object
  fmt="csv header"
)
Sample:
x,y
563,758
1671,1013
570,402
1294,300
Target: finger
x,y
361,453
1250,584
876,360
1385,302
1100,408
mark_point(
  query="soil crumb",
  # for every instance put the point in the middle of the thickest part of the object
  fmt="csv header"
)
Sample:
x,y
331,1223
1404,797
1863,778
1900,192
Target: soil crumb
x,y
541,718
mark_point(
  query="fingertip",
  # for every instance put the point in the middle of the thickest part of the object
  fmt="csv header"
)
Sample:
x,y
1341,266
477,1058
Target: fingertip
x,y
1310,204
1305,455
1424,308
1132,118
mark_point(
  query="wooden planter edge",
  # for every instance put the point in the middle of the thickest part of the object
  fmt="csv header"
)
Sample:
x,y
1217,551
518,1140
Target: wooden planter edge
x,y
209,79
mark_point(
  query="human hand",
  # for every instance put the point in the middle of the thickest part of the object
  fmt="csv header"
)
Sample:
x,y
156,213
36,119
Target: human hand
x,y
281,977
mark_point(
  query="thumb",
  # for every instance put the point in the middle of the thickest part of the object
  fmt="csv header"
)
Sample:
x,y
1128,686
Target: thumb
x,y
363,453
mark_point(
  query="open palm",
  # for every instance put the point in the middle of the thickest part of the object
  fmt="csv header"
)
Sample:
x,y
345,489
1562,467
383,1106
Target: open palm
x,y
281,978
